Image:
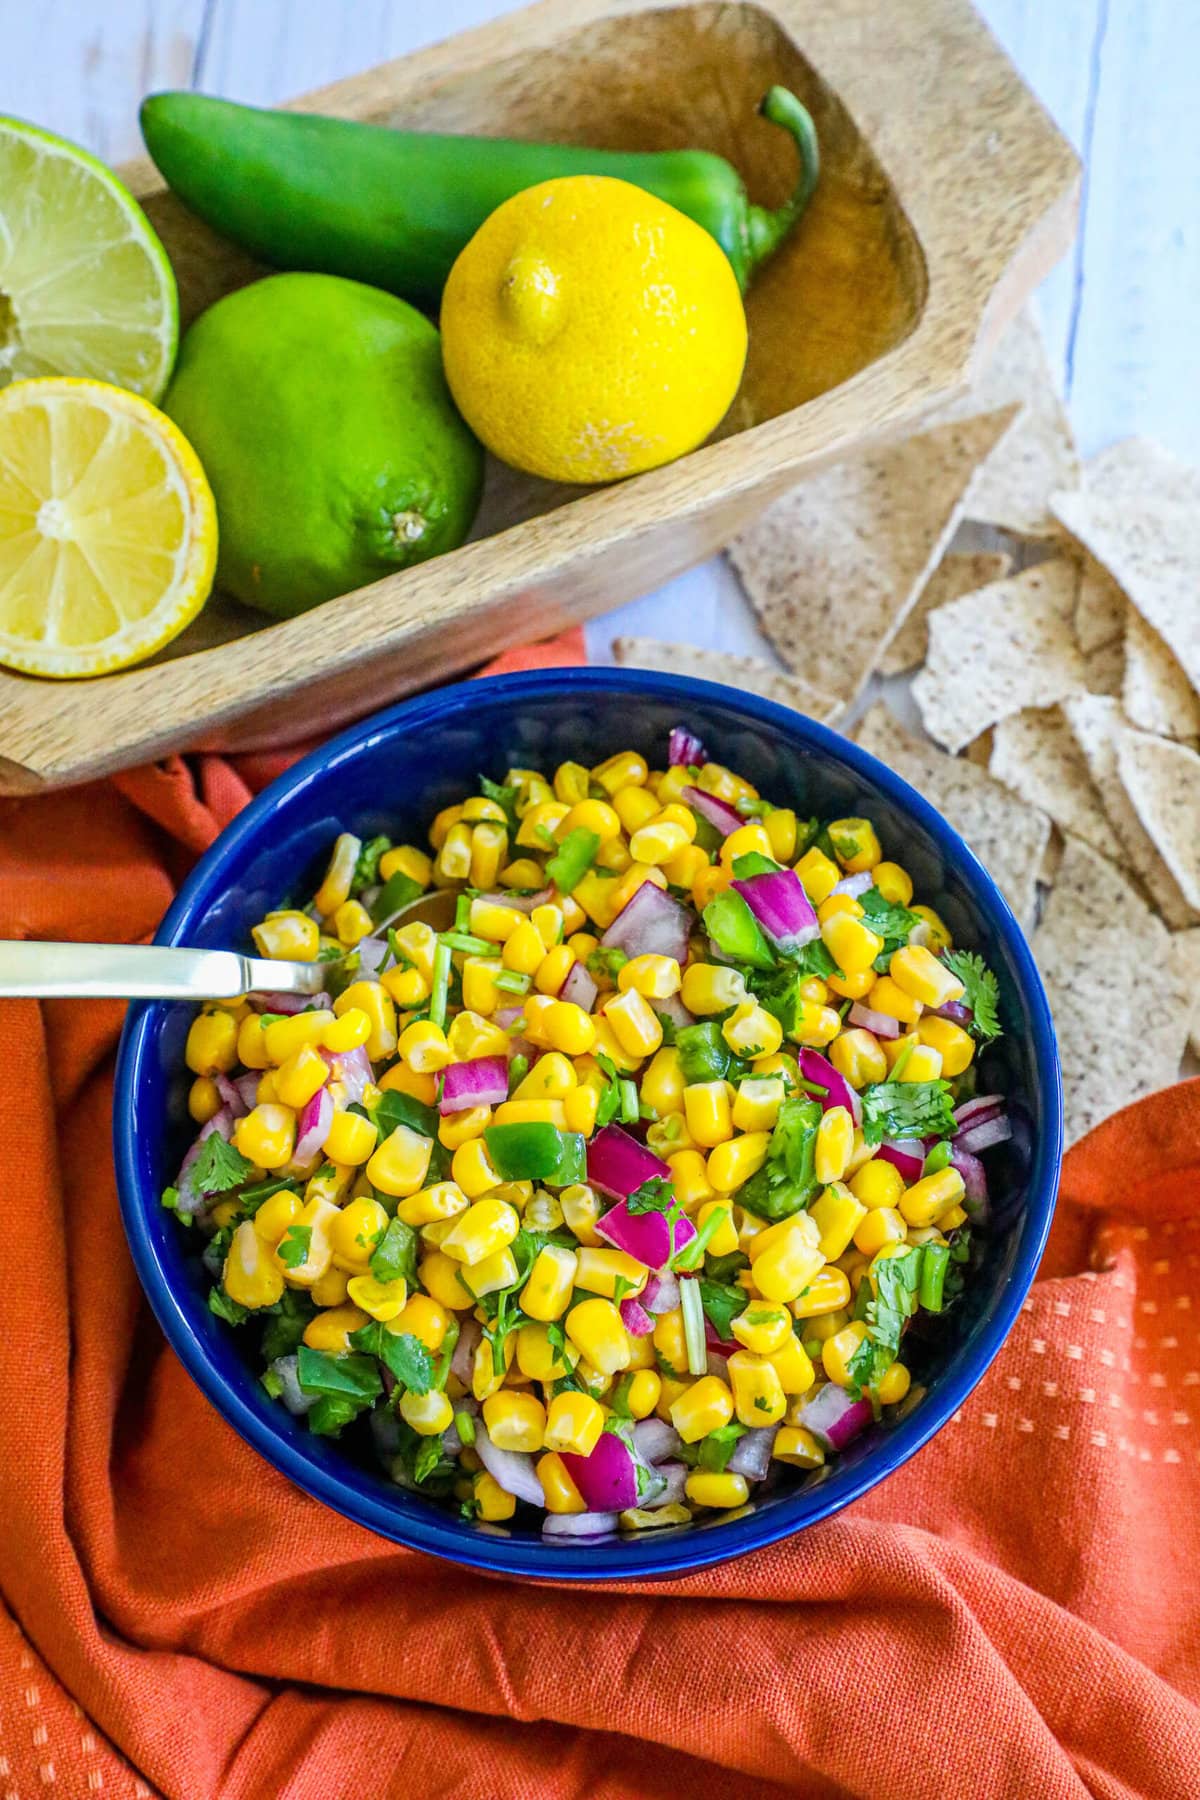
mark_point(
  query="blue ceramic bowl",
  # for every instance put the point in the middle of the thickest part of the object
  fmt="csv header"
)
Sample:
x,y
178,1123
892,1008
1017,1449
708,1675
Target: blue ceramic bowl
x,y
393,772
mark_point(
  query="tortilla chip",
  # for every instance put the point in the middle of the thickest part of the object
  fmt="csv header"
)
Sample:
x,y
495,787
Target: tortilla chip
x,y
1009,646
1105,668
1098,723
1038,455
1007,836
1156,692
1100,608
1162,779
1185,953
1051,861
744,672
959,572
1139,515
832,569
1037,755
1121,1008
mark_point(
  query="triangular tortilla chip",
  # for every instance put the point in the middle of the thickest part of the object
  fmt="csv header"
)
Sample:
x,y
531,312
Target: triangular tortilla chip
x,y
1100,607
1007,836
1009,646
1098,723
1037,755
1105,668
1038,455
1162,779
1185,952
744,672
1154,689
959,572
833,568
1121,1006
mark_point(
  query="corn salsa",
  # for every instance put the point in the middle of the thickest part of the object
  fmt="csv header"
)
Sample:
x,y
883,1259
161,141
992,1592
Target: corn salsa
x,y
638,1121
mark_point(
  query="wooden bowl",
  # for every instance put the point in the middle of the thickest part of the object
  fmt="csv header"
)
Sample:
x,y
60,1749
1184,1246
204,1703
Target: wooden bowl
x,y
945,196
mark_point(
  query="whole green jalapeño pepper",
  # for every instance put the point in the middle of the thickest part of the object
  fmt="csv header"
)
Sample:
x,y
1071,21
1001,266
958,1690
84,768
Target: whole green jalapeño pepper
x,y
394,208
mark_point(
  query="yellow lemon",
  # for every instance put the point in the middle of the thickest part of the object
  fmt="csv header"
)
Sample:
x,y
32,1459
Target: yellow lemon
x,y
591,331
108,531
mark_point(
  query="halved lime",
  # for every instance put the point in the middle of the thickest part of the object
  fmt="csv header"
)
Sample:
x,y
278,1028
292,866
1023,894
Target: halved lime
x,y
85,286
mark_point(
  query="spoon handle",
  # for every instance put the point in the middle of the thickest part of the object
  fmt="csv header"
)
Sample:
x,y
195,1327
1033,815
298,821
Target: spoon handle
x,y
145,972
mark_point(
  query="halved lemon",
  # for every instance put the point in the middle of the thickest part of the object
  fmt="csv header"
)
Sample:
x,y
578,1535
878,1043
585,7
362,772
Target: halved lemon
x,y
85,286
108,531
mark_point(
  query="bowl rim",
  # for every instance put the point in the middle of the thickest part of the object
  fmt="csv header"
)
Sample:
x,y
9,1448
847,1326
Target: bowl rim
x,y
648,1556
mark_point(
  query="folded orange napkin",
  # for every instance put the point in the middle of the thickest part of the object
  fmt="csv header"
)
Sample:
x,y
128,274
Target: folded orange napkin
x,y
1016,1614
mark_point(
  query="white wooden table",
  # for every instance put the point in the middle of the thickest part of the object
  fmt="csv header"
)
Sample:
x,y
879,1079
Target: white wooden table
x,y
1121,315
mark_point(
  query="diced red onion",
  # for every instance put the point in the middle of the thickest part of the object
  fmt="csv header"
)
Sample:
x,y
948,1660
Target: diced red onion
x,y
579,1525
820,1071
312,1126
684,749
985,1134
519,902
483,1082
956,1012
353,1069
655,1441
607,1477
513,1470
673,1476
286,1369
290,1003
617,1164
635,1318
973,1112
231,1094
579,988
905,1154
504,1016
723,817
644,1236
718,1366
975,1187
247,1087
752,1454
191,1198
462,1363
673,1008
371,952
855,885
714,1340
661,1293
650,923
834,1419
882,1024
781,906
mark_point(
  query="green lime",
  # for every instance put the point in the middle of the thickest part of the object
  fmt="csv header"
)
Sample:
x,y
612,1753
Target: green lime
x,y
321,414
85,286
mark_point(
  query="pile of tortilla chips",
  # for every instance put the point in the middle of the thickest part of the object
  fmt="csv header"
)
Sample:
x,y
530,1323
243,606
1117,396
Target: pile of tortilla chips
x,y
1050,614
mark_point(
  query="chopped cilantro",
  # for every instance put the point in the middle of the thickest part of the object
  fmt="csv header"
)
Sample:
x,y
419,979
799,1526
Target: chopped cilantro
x,y
716,1449
907,1109
505,798
982,991
220,1303
396,1254
285,1328
218,1167
610,1099
366,869
405,1355
744,867
787,1180
655,1195
327,1372
331,1412
295,1245
607,960
888,920
722,1304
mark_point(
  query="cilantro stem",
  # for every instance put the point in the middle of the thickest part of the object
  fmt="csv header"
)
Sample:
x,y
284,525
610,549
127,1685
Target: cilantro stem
x,y
449,1343
935,1260
467,943
440,985
692,1308
464,1424
692,1254
901,1063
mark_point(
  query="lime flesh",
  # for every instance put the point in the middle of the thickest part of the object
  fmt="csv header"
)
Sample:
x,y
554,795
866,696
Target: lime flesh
x,y
85,286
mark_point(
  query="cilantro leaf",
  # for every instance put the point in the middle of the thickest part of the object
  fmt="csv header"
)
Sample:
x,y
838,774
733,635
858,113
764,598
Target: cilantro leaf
x,y
906,1109
655,1195
284,1330
405,1355
610,1099
331,1413
983,991
889,920
722,1304
606,960
505,798
715,1450
218,1167
295,1245
787,1180
366,869
232,1311
754,863
341,1372
396,1254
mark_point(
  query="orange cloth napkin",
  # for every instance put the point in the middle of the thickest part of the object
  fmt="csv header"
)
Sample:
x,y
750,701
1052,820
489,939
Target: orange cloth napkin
x,y
1016,1614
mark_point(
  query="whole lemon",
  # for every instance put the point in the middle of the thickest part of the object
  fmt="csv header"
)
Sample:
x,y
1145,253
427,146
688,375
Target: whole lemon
x,y
591,331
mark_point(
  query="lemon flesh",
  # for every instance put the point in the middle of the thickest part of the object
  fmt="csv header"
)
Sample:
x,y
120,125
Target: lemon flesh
x,y
85,286
108,531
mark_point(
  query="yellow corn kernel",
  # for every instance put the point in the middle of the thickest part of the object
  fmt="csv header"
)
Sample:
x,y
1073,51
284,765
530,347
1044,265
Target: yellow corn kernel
x,y
835,1144
927,1199
418,943
758,1396
568,1028
882,1225
827,1292
826,1325
283,1037
335,888
300,1077
689,1177
547,1293
955,1046
540,823
594,893
685,868
780,827
580,1107
492,920
796,1445
762,1328
919,973
356,1234
523,950
878,1183
574,1423
558,1490
470,1037
635,807
858,1057
332,1288
406,859
382,1300
732,1164
600,1269
813,988
522,873
460,1127
669,1341
494,1504
896,1048
957,1215
939,931
250,1275
893,1385
288,937
204,1099
479,991
331,1182
893,882
748,840
596,1330
471,1167
669,1134
580,1209
815,1025
839,1350
348,1032
837,1215
571,783
489,1273
351,1140
720,1490
479,808
266,1136
485,1228
407,987
373,998
708,1111
535,1011
793,1365
656,977
675,813
404,1081
634,1023
751,1031
819,875
709,988
886,996
551,1077
659,842
441,1200
757,1102
625,769
703,1406
724,1240
553,969
515,1421
852,945
923,1064
429,1414
352,923
454,854
489,841
574,917
594,1381
305,1252
591,815
855,843
400,1164
439,1276
710,881
790,1259
425,1318
670,784
583,943
330,1330
670,1388
424,1048
212,1044
523,1112
852,987
538,1359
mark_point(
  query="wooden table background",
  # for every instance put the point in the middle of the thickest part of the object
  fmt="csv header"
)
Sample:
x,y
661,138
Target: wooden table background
x,y
1121,315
